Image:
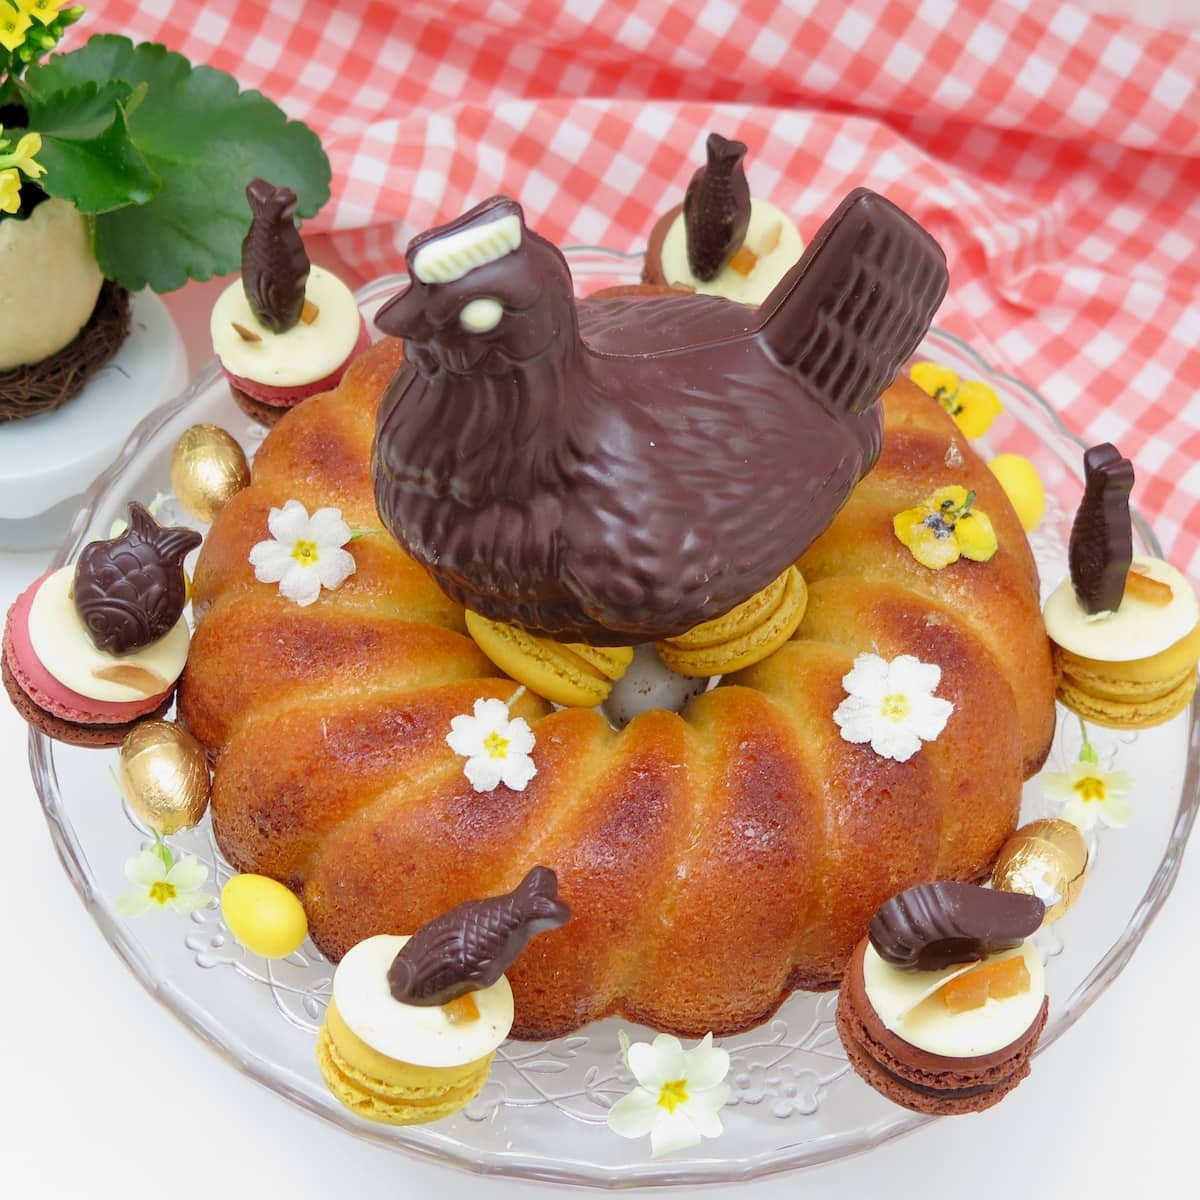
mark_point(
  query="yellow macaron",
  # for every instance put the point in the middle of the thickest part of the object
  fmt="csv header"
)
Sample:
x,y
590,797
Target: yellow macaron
x,y
1134,694
743,636
385,1089
566,673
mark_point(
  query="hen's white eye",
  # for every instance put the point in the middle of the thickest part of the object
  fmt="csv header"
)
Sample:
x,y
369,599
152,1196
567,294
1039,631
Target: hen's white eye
x,y
481,315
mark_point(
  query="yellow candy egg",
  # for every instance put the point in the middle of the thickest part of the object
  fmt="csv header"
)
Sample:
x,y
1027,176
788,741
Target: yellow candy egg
x,y
1020,480
263,915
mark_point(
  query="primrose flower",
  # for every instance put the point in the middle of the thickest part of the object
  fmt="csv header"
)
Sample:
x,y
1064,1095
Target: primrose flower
x,y
10,189
944,527
497,748
971,402
158,879
304,553
679,1093
892,705
1090,794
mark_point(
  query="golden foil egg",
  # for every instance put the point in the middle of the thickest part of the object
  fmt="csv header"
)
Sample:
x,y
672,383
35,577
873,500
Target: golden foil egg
x,y
208,468
1046,858
164,775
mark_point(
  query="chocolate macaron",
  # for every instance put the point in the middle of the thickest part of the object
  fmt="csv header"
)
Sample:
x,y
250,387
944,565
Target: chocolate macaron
x,y
946,1021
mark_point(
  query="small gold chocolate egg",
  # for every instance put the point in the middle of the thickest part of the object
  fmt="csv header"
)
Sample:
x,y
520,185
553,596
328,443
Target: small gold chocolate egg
x,y
163,773
208,468
1045,858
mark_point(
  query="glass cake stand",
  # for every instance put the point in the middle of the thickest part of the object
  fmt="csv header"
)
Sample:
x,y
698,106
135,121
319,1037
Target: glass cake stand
x,y
542,1114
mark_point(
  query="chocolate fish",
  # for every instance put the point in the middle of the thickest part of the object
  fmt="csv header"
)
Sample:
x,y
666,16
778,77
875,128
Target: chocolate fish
x,y
274,262
1101,546
936,925
716,208
129,591
471,946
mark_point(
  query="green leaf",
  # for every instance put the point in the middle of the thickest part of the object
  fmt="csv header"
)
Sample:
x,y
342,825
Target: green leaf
x,y
88,154
205,140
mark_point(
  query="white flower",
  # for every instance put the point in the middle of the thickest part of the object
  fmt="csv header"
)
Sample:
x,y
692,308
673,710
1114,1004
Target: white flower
x,y
892,705
159,881
304,553
1089,793
496,748
678,1096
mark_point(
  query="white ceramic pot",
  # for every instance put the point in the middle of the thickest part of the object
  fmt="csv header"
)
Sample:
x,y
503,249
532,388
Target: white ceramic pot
x,y
49,282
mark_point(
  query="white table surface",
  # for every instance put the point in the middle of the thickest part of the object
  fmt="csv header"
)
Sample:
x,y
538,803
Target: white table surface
x,y
106,1094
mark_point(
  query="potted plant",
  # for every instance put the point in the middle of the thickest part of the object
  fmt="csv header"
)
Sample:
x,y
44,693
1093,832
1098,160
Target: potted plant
x,y
122,167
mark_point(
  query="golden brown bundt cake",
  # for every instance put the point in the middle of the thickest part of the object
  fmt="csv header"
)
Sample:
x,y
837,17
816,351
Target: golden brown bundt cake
x,y
712,860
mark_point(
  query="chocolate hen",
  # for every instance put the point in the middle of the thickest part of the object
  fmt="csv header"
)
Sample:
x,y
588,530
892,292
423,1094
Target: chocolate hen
x,y
471,946
130,590
622,470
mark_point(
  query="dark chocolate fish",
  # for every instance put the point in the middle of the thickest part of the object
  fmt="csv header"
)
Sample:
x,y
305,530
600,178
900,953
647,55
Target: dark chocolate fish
x,y
471,946
716,207
1102,533
130,590
274,262
936,925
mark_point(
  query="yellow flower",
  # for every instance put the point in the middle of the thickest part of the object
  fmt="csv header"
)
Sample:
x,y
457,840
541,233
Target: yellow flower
x,y
972,403
10,191
944,527
22,156
43,11
13,24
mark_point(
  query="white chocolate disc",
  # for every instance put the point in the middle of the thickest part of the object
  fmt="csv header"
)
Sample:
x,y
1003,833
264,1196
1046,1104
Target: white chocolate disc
x,y
61,642
305,353
1136,630
908,1004
413,1034
771,267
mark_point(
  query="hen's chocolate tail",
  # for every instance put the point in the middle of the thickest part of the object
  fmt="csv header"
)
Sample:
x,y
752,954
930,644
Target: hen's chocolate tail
x,y
857,303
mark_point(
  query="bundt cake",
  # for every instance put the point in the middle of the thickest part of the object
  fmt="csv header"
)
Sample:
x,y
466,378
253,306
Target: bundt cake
x,y
712,859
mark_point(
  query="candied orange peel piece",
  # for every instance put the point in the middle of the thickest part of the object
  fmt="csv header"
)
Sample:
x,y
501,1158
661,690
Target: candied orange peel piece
x,y
462,1009
743,261
309,313
247,335
997,980
1150,591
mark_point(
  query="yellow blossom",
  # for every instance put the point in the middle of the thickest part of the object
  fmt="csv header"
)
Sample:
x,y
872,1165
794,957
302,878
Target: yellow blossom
x,y
10,191
972,403
13,25
944,527
42,11
22,156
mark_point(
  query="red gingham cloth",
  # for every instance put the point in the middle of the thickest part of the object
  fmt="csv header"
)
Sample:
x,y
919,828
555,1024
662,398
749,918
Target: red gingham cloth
x,y
1053,152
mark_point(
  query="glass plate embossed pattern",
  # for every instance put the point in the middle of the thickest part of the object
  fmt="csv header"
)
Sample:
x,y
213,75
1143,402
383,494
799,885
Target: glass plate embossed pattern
x,y
542,1113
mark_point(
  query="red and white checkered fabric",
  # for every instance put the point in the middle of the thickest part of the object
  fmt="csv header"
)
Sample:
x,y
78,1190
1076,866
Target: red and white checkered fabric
x,y
1053,152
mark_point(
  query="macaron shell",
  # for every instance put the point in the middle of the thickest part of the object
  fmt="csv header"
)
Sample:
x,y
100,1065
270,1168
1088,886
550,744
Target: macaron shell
x,y
289,397
88,736
385,1089
745,635
573,676
1129,714
1134,694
